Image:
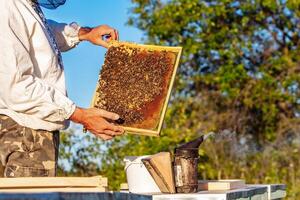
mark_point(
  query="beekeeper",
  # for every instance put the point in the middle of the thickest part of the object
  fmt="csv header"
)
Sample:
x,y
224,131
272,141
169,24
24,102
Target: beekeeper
x,y
33,99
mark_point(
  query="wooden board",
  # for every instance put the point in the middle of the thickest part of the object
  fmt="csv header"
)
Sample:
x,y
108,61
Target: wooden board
x,y
229,184
136,82
46,190
53,182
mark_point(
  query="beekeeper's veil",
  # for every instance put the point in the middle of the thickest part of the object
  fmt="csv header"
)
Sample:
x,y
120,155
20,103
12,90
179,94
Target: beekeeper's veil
x,y
50,4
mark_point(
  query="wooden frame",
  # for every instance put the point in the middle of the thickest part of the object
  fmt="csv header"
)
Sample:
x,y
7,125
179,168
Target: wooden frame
x,y
53,184
176,50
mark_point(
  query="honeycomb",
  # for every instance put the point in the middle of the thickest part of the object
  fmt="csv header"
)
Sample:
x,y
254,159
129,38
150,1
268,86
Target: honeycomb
x,y
134,83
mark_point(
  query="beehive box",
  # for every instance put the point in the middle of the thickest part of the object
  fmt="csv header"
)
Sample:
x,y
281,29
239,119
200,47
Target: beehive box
x,y
136,82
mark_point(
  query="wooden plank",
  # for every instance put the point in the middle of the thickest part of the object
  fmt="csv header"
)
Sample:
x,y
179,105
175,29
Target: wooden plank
x,y
135,131
157,130
179,51
146,46
40,182
45,190
229,184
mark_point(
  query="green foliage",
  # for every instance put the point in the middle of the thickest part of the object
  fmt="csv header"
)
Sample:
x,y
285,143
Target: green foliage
x,y
244,54
79,154
239,71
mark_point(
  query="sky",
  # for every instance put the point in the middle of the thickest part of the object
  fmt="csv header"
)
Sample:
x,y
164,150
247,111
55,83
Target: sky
x,y
83,63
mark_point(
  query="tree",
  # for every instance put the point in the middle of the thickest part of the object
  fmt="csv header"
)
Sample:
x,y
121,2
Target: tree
x,y
239,71
241,55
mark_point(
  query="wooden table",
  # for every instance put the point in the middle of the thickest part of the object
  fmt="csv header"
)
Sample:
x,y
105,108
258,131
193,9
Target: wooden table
x,y
252,192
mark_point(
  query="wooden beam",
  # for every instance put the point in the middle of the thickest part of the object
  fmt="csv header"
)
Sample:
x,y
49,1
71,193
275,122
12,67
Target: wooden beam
x,y
228,184
48,182
46,190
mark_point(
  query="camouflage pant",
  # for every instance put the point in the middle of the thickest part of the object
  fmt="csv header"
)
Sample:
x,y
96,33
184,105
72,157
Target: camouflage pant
x,y
25,152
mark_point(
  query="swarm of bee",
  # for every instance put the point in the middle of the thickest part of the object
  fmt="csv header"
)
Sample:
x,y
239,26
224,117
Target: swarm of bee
x,y
131,79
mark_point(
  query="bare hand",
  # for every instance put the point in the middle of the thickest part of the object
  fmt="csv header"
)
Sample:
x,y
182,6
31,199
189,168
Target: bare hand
x,y
100,35
94,120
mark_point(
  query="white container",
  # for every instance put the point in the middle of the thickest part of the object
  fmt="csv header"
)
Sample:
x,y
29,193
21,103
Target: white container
x,y
138,178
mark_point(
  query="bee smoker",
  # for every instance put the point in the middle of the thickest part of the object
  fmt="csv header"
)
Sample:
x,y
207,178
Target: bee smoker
x,y
186,170
186,166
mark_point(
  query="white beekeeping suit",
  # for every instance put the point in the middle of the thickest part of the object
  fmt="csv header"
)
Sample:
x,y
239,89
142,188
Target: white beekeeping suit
x,y
33,90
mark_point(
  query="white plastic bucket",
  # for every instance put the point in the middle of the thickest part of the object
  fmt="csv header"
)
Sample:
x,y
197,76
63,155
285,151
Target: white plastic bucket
x,y
138,178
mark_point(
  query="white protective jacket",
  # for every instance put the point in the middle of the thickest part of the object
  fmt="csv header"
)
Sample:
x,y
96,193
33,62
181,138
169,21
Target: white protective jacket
x,y
32,84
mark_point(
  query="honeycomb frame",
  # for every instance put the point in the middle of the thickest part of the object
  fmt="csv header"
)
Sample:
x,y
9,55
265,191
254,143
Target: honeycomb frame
x,y
170,82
